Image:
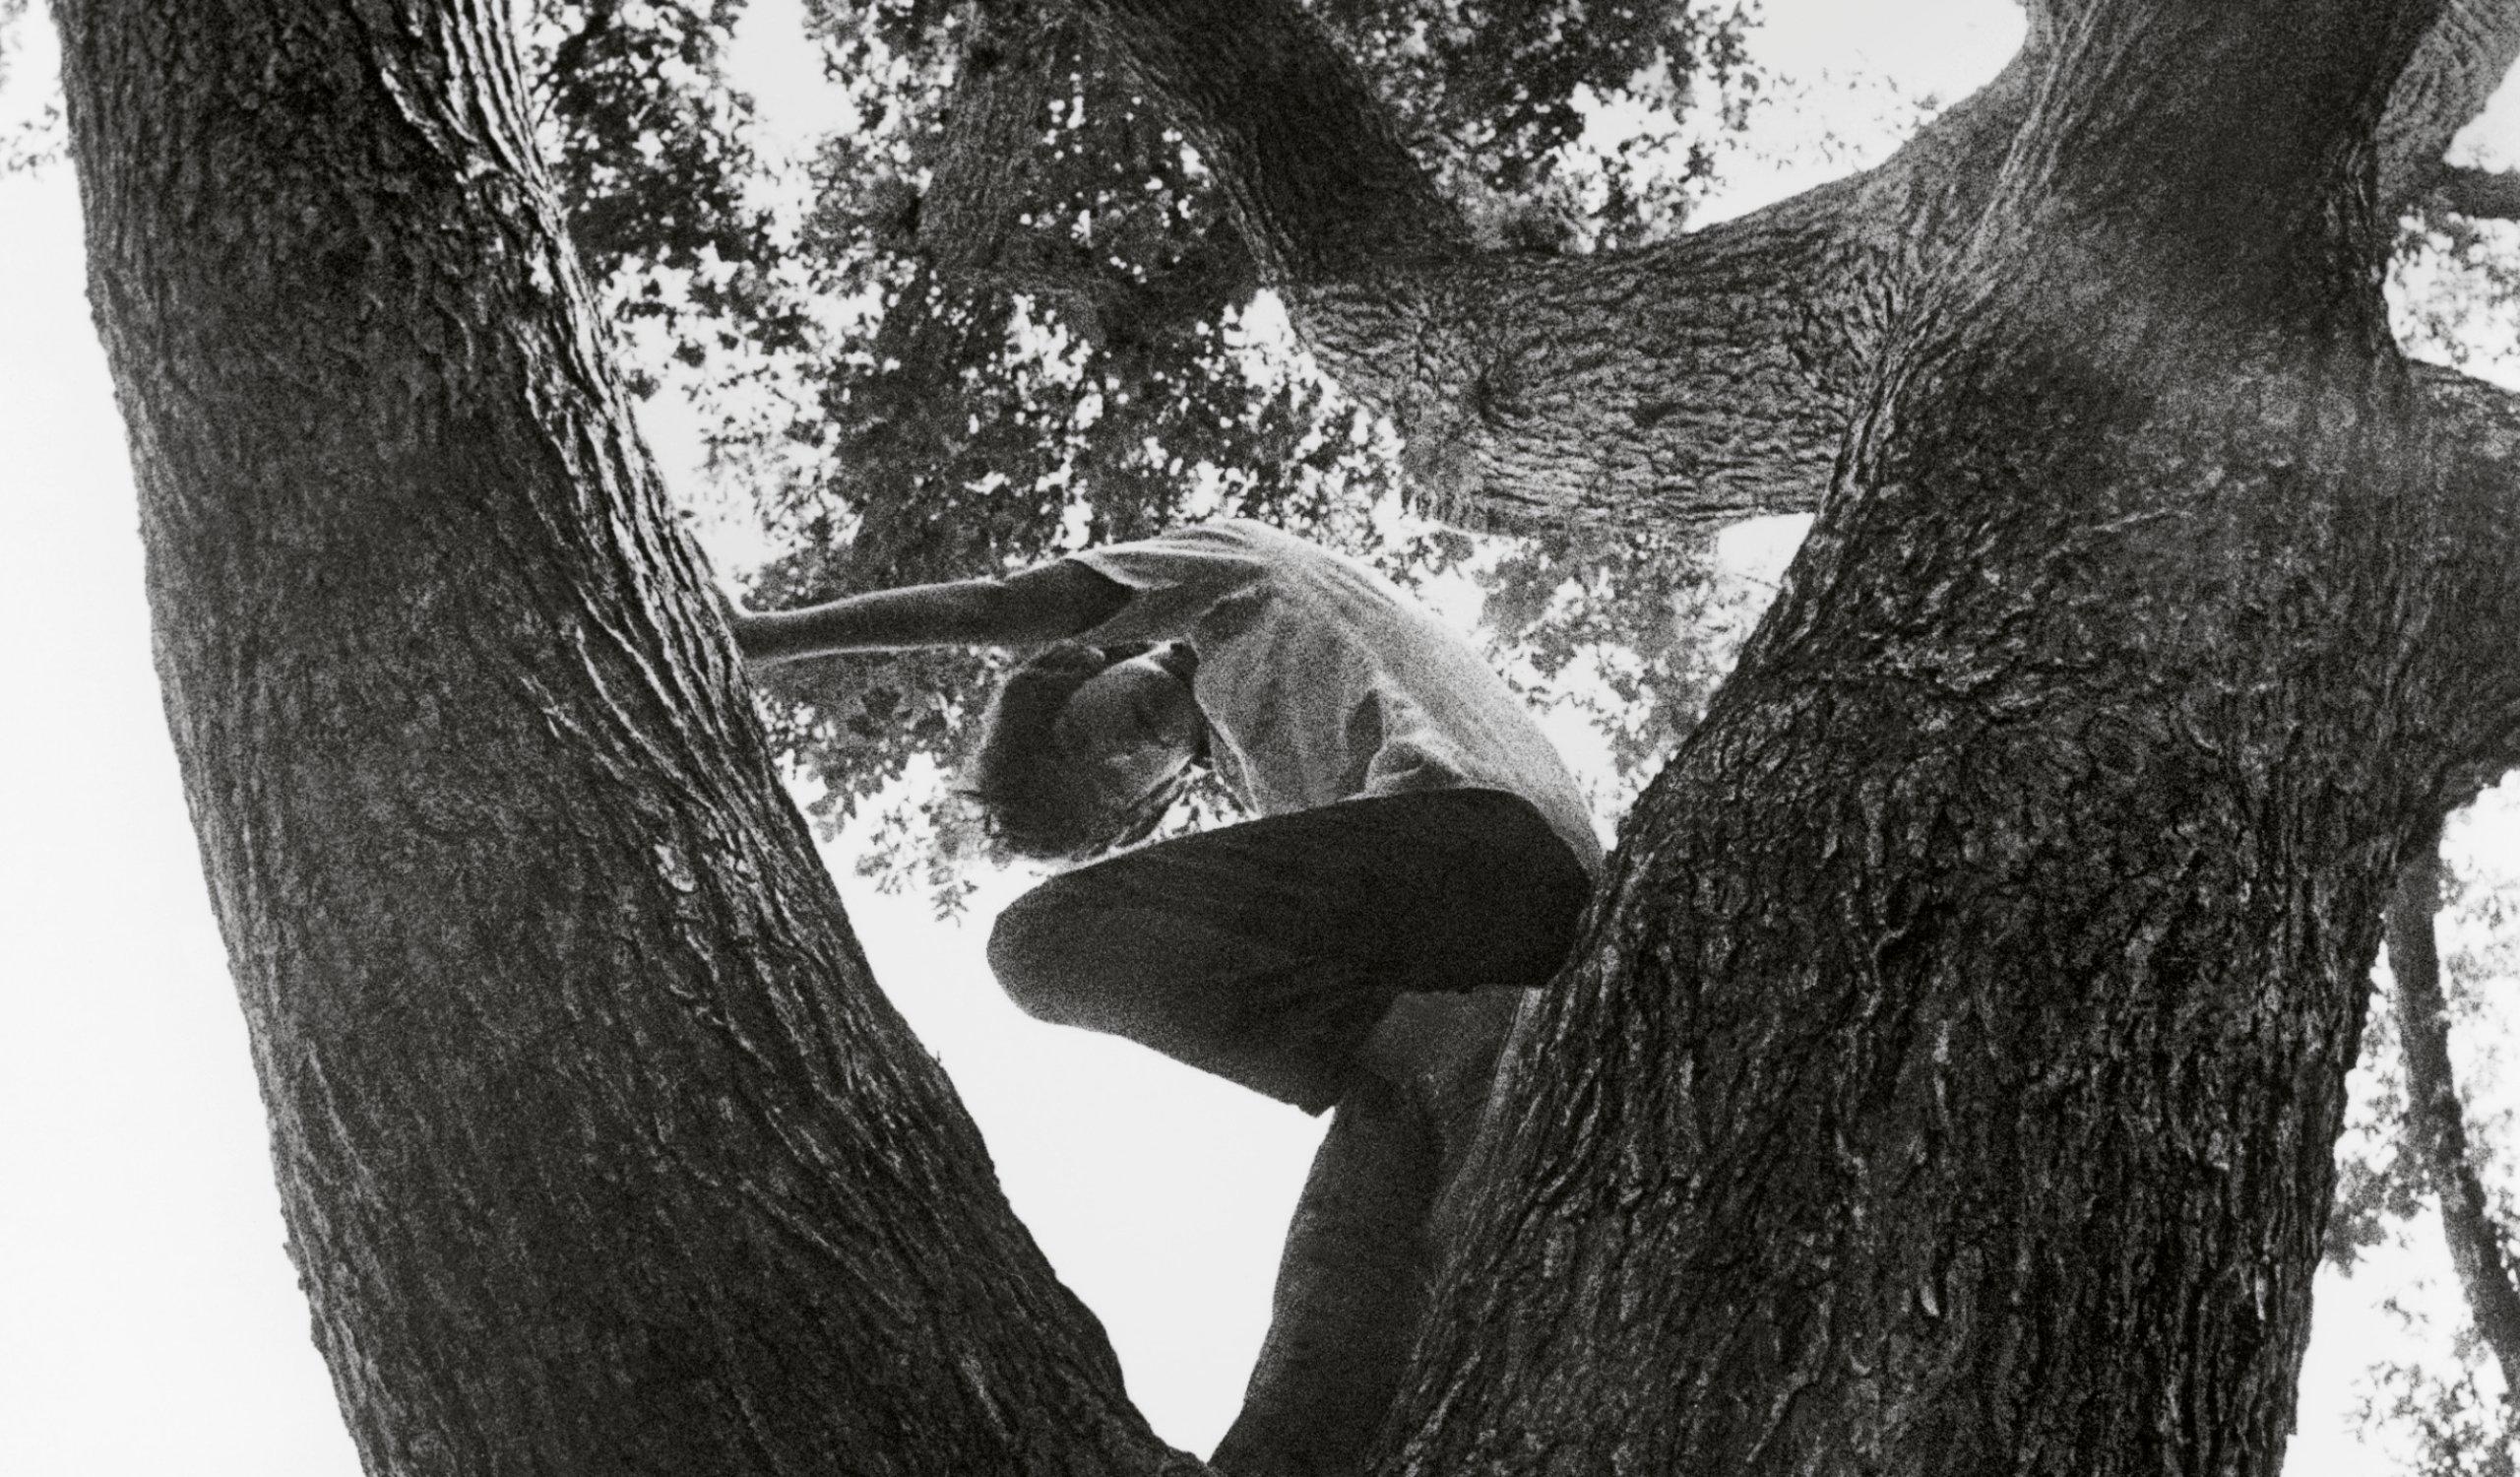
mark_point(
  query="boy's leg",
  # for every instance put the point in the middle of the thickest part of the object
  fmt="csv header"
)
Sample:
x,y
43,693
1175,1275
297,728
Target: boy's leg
x,y
1360,1256
1269,952
1329,956
1352,1287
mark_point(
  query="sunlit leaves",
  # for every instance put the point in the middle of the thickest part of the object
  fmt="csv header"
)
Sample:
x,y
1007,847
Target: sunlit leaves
x,y
34,137
2455,285
1007,316
2453,1427
649,146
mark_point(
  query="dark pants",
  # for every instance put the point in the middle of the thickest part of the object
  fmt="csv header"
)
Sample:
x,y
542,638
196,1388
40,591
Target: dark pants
x,y
1266,953
1323,957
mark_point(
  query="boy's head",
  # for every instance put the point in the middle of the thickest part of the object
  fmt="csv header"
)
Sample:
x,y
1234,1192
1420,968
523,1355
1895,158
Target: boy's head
x,y
1085,747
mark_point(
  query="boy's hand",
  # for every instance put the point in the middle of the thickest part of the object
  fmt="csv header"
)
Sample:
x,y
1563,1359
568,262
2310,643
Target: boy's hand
x,y
746,627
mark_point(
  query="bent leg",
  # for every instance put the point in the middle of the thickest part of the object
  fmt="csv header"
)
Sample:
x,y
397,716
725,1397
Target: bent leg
x,y
1284,1024
1338,955
1266,953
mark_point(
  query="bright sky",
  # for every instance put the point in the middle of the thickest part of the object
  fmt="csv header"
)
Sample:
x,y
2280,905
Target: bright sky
x,y
148,1322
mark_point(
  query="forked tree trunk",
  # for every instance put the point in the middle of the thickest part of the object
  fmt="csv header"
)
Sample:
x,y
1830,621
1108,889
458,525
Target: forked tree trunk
x,y
598,1149
1951,1080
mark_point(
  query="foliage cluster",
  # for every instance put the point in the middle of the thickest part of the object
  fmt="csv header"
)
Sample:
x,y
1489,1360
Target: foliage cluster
x,y
1000,314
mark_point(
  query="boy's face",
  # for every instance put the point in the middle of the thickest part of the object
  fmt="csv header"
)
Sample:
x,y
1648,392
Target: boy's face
x,y
1133,726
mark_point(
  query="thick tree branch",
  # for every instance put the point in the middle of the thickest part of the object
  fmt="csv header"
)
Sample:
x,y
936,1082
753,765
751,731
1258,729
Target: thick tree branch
x,y
2456,69
2435,1122
2480,194
993,122
1703,380
1717,381
1721,384
1320,178
987,177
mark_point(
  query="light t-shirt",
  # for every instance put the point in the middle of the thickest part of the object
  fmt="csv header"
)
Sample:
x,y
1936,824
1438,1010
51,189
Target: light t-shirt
x,y
1322,683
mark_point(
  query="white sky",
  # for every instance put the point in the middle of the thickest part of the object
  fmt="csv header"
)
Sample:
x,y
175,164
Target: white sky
x,y
148,1322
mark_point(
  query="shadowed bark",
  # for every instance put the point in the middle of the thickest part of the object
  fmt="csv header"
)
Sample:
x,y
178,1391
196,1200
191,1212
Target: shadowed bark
x,y
2476,432
598,1149
2462,60
1322,184
1963,1098
1701,380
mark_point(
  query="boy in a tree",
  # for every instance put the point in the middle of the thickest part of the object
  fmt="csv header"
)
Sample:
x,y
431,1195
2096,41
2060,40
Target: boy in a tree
x,y
1420,861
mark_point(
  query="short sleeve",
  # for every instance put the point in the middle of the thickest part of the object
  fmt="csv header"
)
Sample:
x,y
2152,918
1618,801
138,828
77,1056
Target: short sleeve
x,y
1174,580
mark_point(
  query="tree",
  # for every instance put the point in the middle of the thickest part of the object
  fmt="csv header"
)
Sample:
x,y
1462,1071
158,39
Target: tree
x,y
474,781
1950,1076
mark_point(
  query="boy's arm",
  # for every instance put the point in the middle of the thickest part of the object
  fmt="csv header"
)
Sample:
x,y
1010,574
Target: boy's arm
x,y
1047,602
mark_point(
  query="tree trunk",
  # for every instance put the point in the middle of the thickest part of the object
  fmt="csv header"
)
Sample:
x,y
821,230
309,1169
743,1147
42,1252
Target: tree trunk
x,y
598,1149
1950,1081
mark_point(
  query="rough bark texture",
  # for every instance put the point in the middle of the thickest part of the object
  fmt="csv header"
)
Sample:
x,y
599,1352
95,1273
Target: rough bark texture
x,y
1696,383
1699,381
2480,194
598,1149
2437,1125
1322,182
1961,1097
2477,427
2467,54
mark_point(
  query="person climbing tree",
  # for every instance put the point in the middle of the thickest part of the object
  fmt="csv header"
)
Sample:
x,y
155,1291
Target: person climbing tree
x,y
1420,861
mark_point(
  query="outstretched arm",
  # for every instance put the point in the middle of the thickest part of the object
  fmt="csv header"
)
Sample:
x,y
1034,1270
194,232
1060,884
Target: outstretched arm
x,y
1044,603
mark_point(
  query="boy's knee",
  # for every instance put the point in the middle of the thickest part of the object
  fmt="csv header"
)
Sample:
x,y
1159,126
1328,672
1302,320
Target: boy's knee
x,y
1027,951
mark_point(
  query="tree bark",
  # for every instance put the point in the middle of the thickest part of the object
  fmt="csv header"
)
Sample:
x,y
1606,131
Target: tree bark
x,y
1322,184
2463,59
598,1149
1699,381
2477,428
2479,194
1950,1079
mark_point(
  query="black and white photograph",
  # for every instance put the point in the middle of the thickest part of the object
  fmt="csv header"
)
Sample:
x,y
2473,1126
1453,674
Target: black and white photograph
x,y
1260,737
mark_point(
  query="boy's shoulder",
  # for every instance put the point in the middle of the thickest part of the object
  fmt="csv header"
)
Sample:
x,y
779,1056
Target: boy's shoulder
x,y
1261,540
1245,532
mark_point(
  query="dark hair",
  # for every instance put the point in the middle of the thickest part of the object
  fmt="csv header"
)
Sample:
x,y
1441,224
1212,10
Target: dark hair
x,y
1035,798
